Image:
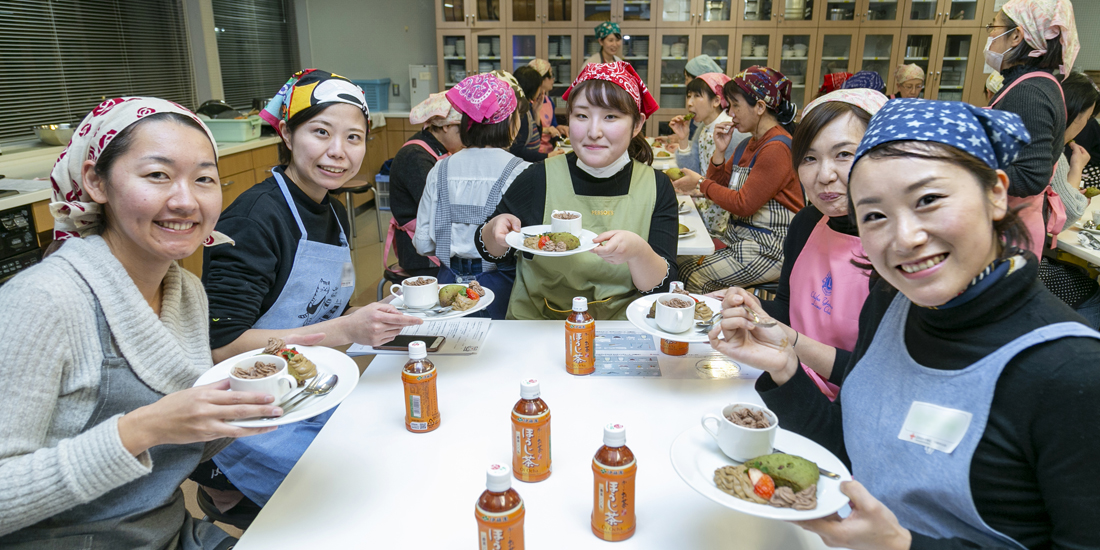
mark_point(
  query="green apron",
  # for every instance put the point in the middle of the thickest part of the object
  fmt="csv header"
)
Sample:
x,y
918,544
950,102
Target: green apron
x,y
555,281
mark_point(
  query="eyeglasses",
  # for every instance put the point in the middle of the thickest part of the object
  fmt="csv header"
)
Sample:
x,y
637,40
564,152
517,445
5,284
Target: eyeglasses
x,y
989,28
912,87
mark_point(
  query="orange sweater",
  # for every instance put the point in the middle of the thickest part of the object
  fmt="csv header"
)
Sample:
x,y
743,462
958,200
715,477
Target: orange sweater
x,y
772,177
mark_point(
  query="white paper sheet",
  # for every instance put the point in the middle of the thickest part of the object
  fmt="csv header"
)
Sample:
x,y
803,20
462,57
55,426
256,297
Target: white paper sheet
x,y
464,337
24,186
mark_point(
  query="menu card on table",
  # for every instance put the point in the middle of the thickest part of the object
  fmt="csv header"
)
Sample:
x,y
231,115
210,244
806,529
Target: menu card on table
x,y
464,337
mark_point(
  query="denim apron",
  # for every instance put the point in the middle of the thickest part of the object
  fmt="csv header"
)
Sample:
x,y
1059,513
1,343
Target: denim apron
x,y
319,287
877,398
147,512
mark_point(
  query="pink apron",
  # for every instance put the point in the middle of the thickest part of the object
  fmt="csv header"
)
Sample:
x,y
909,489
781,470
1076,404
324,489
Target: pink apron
x,y
827,293
1032,211
409,228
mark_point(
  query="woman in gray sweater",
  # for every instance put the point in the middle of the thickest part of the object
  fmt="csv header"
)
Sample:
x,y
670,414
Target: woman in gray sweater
x,y
100,424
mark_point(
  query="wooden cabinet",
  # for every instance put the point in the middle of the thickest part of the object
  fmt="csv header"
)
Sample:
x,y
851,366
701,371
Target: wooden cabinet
x,y
465,14
878,49
943,13
539,14
634,12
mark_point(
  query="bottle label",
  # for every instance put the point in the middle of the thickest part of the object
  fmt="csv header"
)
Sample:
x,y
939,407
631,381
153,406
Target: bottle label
x,y
613,501
421,406
500,531
579,347
531,446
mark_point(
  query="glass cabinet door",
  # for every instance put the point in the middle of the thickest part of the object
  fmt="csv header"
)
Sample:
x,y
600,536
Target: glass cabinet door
x,y
523,13
559,52
961,13
676,13
637,11
597,10
559,13
757,13
717,46
488,51
451,14
674,57
636,52
453,67
488,12
836,55
921,13
837,12
918,48
878,53
951,77
795,55
754,49
715,12
882,12
801,12
524,49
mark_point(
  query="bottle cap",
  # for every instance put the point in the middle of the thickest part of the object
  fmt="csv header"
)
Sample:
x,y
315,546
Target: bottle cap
x,y
675,285
529,389
580,303
417,350
498,478
614,435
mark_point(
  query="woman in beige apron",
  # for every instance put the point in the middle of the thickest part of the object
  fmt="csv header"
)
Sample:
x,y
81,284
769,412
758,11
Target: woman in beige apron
x,y
630,207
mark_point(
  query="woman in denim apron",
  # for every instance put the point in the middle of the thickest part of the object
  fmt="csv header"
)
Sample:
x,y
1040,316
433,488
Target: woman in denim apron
x,y
968,406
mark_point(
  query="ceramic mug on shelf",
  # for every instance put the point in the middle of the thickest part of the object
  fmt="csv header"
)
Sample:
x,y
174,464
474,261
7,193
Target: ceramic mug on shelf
x,y
276,384
760,51
417,296
449,50
739,442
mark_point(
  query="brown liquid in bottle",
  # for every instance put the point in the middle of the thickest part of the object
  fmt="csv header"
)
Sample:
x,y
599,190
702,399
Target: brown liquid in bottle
x,y
531,435
614,456
614,471
498,502
421,402
580,339
499,511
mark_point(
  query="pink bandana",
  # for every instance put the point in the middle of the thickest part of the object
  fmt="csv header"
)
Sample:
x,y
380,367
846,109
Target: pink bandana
x,y
865,98
622,75
485,98
74,211
1041,20
715,81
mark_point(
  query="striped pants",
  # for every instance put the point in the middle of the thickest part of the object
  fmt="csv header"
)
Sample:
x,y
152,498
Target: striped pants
x,y
741,265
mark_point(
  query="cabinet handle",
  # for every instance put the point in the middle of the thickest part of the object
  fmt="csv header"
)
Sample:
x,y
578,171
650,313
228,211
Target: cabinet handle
x,y
230,182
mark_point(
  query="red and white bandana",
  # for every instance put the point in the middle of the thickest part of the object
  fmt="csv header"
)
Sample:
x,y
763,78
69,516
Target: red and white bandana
x,y
622,75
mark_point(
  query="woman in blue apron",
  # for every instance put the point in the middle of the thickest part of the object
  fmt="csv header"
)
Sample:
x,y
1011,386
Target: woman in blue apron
x,y
99,423
968,408
291,272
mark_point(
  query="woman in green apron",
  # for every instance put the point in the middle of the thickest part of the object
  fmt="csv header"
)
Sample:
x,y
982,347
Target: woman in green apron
x,y
100,424
630,207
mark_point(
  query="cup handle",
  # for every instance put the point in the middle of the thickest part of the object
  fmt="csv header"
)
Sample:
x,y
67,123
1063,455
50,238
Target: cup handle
x,y
289,382
396,290
711,416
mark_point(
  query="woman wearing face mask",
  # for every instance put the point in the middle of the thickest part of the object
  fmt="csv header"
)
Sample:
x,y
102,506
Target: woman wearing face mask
x,y
630,206
910,81
757,185
464,189
611,42
99,423
958,327
1019,48
408,173
291,271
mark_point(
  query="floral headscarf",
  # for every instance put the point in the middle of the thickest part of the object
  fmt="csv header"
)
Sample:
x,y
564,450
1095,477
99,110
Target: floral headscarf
x,y
607,28
312,87
767,85
435,111
908,72
1041,20
715,81
622,75
485,98
541,65
75,214
865,98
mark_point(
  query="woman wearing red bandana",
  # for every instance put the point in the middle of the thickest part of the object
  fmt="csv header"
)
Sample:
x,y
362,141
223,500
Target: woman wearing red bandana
x,y
630,207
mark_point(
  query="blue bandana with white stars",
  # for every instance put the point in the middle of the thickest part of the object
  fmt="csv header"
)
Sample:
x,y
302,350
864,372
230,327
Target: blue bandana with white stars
x,y
993,137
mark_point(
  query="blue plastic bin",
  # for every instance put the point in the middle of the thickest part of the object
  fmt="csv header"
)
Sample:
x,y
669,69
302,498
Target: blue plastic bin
x,y
382,191
377,92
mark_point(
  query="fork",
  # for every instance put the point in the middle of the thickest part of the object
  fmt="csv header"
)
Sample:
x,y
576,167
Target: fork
x,y
704,327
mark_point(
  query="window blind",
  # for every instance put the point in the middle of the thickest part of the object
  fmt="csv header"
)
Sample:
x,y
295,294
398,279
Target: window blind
x,y
63,57
257,48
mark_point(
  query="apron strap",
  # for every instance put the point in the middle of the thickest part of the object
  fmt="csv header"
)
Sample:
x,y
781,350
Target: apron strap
x,y
427,148
293,208
1034,74
410,230
740,150
447,213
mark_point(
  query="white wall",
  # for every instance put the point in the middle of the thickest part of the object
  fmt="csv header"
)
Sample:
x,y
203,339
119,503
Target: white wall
x,y
363,39
1087,14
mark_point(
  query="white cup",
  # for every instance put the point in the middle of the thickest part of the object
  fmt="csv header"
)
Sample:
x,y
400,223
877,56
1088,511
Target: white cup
x,y
675,319
483,48
666,50
448,50
417,296
760,51
738,442
277,385
572,226
1096,217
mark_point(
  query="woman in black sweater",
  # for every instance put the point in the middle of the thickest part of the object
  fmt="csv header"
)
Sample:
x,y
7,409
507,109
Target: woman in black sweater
x,y
957,324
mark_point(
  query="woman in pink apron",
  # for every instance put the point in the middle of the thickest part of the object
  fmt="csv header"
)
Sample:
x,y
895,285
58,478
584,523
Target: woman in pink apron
x,y
1029,39
820,291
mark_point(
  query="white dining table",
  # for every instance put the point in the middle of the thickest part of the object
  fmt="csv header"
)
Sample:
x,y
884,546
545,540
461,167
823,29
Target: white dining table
x,y
699,244
366,482
1067,240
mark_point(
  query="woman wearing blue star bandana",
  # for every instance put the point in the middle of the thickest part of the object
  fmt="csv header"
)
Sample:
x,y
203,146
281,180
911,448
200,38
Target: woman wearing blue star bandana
x,y
956,328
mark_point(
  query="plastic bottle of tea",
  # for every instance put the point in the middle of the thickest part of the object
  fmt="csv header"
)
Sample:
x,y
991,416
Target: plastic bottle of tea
x,y
614,470
672,347
499,511
421,404
580,339
530,434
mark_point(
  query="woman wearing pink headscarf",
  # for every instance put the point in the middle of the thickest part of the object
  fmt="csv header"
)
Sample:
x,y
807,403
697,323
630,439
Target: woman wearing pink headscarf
x,y
1028,40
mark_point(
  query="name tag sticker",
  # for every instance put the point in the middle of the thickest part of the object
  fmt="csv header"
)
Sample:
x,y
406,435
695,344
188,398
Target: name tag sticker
x,y
347,278
934,427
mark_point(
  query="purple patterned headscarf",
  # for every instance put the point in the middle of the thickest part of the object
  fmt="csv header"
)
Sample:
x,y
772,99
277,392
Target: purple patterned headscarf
x,y
485,98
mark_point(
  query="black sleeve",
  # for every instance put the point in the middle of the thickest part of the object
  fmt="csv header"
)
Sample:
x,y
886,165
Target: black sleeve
x,y
664,227
802,225
519,145
408,175
524,199
1040,106
238,277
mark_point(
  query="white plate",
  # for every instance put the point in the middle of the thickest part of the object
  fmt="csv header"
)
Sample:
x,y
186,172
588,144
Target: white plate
x,y
328,361
638,309
684,208
515,240
690,233
452,314
695,456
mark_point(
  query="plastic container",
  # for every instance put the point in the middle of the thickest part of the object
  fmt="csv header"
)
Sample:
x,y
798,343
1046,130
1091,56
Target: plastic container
x,y
235,129
377,92
499,511
421,403
580,339
613,470
530,434
382,191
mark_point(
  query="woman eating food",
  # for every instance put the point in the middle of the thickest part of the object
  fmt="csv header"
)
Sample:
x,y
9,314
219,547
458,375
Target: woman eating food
x,y
528,143
630,206
909,80
546,107
757,185
957,329
291,271
408,173
463,189
611,42
101,423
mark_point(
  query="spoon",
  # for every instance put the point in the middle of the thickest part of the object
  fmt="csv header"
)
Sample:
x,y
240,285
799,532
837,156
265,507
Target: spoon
x,y
321,388
757,320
